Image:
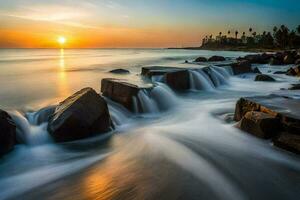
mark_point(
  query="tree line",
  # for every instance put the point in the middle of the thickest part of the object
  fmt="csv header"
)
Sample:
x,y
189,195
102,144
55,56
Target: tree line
x,y
281,37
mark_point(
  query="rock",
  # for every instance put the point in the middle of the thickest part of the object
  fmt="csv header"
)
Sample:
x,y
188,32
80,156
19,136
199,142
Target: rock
x,y
256,70
264,77
178,80
289,59
201,59
186,61
279,72
290,142
119,71
260,124
295,87
258,58
81,115
216,58
294,71
275,61
243,66
286,109
7,133
297,62
121,91
158,70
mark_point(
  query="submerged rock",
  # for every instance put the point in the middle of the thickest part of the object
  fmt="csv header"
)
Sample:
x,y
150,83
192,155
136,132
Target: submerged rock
x,y
119,71
201,59
260,124
264,77
216,58
290,142
7,133
121,91
243,66
81,115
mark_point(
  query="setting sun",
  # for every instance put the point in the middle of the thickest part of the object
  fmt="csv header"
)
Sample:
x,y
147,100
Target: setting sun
x,y
61,40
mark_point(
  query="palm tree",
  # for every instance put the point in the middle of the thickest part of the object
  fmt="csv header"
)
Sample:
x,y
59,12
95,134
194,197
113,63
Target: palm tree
x,y
220,34
228,33
298,29
244,33
254,34
236,34
250,30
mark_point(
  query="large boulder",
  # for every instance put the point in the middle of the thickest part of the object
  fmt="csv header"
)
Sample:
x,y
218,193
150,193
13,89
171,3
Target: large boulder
x,y
7,133
121,91
81,115
290,142
201,59
243,66
119,71
216,59
264,77
260,124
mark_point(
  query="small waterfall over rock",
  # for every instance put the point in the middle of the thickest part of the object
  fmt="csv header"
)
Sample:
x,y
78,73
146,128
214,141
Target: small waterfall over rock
x,y
29,130
199,82
118,113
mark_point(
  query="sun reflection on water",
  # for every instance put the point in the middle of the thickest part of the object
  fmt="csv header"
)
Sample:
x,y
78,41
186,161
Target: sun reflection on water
x,y
63,88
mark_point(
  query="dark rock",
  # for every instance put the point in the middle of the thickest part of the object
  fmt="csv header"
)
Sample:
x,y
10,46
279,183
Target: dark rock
x,y
297,62
256,70
260,124
178,80
81,115
119,71
258,58
186,61
201,59
280,72
294,71
264,77
275,61
7,133
290,142
289,59
243,66
158,70
295,87
121,91
286,109
216,58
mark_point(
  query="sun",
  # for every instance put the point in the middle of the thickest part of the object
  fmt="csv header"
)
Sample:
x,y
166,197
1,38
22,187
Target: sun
x,y
61,40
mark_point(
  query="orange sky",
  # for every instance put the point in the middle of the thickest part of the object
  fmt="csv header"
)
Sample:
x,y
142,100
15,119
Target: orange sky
x,y
134,23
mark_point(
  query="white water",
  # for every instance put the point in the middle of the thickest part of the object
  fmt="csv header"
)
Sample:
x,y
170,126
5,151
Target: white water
x,y
188,152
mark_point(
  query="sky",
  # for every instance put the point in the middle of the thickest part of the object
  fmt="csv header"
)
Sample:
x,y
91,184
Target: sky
x,y
135,23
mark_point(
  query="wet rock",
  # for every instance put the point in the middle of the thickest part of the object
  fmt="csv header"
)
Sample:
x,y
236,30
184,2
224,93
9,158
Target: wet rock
x,y
256,70
7,133
258,58
260,124
119,71
289,59
290,142
241,67
201,59
295,87
294,71
264,77
297,62
279,72
121,91
158,70
81,115
283,107
275,61
178,80
216,58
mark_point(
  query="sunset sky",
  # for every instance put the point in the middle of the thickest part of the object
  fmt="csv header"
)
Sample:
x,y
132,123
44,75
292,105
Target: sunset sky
x,y
135,23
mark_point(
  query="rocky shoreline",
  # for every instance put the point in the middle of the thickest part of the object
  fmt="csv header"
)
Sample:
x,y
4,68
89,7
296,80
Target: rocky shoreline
x,y
85,113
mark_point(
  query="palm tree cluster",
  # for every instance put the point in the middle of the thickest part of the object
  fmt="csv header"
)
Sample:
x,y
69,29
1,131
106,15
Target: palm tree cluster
x,y
281,37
